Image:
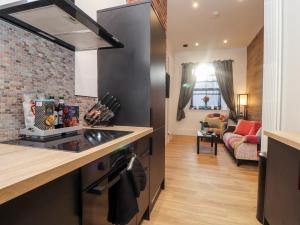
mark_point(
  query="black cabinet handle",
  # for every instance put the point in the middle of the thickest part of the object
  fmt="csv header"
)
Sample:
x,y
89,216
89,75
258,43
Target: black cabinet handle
x,y
98,190
150,117
299,178
151,145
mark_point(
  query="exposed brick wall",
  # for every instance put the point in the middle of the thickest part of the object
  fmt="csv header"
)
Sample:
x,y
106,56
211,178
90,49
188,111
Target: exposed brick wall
x,y
160,6
29,63
255,52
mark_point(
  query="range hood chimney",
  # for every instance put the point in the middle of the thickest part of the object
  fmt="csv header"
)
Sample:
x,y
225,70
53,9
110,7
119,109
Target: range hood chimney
x,y
59,21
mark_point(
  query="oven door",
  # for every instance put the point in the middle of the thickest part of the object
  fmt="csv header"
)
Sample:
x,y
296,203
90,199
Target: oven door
x,y
95,204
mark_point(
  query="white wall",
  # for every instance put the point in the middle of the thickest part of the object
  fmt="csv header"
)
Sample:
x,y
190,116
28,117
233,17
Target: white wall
x,y
291,66
86,82
190,124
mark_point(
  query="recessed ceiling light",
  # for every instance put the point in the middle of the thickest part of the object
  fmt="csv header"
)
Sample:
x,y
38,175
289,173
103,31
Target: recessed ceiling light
x,y
225,41
195,4
197,44
185,45
216,13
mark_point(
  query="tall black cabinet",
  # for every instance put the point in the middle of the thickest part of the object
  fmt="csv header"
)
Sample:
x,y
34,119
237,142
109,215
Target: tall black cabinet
x,y
136,76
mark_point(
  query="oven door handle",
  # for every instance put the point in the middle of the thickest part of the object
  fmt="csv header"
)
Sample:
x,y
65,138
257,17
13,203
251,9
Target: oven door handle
x,y
98,189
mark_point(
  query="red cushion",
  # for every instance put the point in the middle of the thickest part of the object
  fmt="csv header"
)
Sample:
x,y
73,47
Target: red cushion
x,y
243,127
253,139
255,127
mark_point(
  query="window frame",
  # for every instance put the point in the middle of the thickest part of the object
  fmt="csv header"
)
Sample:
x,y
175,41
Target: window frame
x,y
207,90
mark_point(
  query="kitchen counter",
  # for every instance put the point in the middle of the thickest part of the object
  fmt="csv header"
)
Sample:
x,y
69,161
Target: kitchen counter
x,y
291,139
23,169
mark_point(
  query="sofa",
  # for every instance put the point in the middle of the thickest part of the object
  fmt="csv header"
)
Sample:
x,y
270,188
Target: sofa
x,y
215,123
243,140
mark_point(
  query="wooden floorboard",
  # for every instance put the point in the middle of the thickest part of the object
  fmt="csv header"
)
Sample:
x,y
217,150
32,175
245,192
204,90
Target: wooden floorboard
x,y
204,189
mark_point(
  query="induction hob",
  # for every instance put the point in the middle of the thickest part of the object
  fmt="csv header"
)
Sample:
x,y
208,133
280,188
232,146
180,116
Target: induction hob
x,y
75,142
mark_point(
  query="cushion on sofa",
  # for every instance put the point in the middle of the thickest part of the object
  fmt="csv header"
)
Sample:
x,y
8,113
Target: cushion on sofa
x,y
243,127
255,127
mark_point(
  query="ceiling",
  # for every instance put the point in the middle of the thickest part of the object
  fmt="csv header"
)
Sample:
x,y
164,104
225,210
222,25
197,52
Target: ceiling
x,y
238,22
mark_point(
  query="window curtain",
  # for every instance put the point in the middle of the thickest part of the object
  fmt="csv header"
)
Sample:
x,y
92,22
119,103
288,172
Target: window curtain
x,y
224,75
188,81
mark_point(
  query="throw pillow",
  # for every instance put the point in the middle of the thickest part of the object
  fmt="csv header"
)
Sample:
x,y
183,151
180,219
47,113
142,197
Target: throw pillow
x,y
243,127
255,127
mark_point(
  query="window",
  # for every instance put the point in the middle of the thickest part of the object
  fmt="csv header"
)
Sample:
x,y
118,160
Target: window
x,y
206,93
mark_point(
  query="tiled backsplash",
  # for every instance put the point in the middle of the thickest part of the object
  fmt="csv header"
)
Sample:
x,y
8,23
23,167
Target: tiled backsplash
x,y
29,63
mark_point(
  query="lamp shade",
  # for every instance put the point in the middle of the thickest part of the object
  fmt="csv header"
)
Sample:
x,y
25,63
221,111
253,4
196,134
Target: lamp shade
x,y
243,99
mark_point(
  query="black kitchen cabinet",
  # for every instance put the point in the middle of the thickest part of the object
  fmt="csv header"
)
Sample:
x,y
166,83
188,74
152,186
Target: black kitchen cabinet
x,y
142,149
136,74
282,197
54,203
157,164
82,196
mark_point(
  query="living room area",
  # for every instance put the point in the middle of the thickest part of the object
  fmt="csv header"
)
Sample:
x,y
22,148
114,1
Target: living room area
x,y
216,75
215,67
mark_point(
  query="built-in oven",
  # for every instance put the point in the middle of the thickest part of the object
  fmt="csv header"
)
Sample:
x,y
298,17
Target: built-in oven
x,y
97,178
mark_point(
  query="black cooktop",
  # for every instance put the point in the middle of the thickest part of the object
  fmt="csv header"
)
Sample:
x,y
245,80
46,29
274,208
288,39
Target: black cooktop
x,y
75,142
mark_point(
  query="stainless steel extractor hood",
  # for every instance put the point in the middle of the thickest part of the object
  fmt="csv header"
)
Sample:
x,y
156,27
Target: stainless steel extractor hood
x,y
59,21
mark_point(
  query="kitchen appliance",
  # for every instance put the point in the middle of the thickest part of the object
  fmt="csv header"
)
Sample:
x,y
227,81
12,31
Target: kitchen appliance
x,y
98,178
59,21
101,175
73,142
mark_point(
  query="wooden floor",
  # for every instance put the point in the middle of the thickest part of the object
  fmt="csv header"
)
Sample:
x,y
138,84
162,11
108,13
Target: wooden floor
x,y
204,189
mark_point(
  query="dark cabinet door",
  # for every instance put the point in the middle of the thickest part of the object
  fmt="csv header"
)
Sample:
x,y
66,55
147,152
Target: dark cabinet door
x,y
157,163
282,200
158,72
125,72
142,149
57,202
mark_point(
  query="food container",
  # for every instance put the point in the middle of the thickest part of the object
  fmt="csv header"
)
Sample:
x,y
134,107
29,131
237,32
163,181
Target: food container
x,y
71,116
44,114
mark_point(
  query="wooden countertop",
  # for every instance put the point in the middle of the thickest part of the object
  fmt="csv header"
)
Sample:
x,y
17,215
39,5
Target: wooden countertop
x,y
23,169
289,138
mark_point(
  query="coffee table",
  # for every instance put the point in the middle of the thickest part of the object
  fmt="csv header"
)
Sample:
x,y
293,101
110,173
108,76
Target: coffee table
x,y
210,136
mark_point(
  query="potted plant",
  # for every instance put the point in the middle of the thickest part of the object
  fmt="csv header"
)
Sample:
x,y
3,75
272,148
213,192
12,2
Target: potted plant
x,y
205,99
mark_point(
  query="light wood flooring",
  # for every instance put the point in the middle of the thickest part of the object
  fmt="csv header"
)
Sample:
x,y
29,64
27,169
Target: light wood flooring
x,y
204,189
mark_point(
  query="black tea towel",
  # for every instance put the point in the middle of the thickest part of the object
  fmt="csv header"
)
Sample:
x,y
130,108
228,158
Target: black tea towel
x,y
122,201
138,176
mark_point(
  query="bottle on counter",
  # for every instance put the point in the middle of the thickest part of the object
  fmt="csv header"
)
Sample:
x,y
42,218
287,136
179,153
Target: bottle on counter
x,y
55,113
60,113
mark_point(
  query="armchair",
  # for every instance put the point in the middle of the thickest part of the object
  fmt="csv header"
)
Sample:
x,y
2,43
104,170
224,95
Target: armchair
x,y
215,123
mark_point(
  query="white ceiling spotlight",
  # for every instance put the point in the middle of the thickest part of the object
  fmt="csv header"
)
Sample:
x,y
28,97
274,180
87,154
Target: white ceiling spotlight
x,y
196,44
216,13
225,41
195,5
